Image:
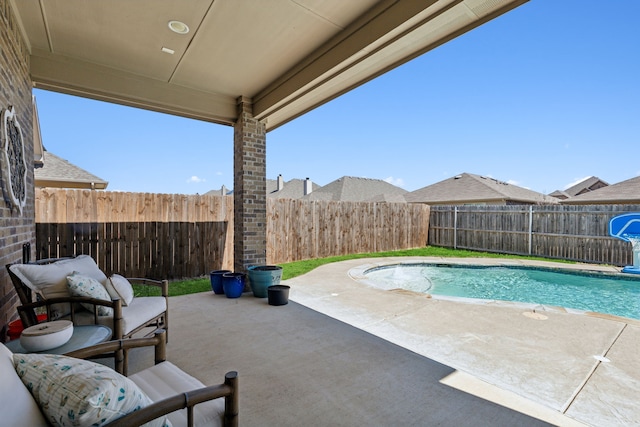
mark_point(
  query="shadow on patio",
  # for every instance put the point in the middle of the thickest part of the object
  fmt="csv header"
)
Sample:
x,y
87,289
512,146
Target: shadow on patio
x,y
298,367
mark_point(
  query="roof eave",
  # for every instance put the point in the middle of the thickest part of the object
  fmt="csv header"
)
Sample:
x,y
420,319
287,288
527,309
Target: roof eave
x,y
61,183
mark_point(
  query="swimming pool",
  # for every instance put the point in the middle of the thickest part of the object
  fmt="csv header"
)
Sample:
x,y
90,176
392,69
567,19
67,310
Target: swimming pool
x,y
599,292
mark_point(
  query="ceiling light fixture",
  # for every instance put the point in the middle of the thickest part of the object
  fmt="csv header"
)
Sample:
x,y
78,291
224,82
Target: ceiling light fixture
x,y
178,27
167,50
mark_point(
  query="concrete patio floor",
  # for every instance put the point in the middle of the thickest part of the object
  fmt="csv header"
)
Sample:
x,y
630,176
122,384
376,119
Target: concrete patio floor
x,y
342,353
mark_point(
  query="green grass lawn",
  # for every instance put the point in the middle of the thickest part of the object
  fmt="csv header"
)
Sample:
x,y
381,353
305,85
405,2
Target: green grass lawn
x,y
297,268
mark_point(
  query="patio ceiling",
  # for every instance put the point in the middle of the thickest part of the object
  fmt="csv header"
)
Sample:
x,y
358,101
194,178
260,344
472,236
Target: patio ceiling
x,y
287,56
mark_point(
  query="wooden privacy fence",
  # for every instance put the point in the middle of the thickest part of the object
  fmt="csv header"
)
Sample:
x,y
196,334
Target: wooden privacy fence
x,y
162,250
62,206
172,236
578,233
301,229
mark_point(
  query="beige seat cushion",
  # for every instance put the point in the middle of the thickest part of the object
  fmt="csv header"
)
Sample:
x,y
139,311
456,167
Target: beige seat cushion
x,y
165,380
139,312
17,406
50,280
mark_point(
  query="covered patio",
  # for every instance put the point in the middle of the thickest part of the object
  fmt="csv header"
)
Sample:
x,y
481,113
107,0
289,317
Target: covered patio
x,y
251,65
254,66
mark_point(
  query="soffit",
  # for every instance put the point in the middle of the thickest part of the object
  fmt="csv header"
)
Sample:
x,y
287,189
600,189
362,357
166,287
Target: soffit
x,y
287,56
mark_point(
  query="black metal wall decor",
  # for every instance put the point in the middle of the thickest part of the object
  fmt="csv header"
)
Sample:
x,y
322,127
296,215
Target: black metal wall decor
x,y
13,161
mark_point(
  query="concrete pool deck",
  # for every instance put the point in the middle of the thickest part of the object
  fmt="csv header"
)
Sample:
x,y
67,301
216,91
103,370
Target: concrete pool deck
x,y
562,366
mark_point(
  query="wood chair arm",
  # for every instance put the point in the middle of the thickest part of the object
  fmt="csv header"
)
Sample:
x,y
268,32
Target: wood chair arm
x,y
228,390
158,340
29,317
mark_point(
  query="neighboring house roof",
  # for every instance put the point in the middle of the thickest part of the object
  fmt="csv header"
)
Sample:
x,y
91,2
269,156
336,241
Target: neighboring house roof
x,y
625,192
585,186
292,189
353,189
223,191
59,173
560,194
468,188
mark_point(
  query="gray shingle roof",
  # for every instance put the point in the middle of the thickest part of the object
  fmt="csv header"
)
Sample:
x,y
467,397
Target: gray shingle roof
x,y
223,191
625,192
292,189
353,189
58,172
468,188
560,194
590,184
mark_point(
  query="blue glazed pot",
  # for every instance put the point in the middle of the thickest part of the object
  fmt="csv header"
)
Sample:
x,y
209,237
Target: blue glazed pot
x,y
233,284
216,281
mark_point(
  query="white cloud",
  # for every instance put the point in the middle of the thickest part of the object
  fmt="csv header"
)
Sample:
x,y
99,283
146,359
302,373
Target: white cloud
x,y
398,182
195,179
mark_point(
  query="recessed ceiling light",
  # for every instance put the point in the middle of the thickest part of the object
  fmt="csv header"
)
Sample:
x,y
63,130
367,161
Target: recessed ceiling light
x,y
178,27
167,50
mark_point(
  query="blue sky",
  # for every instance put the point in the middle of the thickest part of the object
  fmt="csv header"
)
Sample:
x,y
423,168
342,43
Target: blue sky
x,y
541,97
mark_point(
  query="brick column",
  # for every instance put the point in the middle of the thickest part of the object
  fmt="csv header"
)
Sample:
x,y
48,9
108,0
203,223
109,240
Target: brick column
x,y
249,188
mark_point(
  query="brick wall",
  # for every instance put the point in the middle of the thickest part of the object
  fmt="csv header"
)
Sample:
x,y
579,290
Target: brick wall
x,y
15,90
250,201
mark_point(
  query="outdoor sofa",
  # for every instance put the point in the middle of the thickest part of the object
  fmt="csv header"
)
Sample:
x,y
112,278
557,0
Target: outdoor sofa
x,y
77,290
37,388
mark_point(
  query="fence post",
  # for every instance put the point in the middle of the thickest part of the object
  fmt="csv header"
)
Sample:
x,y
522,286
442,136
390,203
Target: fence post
x,y
455,228
530,228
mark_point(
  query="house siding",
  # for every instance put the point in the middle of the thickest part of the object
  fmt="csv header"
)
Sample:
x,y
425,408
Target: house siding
x,y
15,90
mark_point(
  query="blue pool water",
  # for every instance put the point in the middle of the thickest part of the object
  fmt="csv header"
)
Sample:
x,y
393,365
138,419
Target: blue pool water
x,y
603,293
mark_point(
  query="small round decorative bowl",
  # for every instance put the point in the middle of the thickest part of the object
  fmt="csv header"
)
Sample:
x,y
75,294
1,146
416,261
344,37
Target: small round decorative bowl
x,y
47,335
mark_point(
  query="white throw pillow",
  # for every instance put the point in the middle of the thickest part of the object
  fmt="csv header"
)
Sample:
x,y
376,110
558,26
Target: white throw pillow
x,y
112,291
123,288
84,286
76,392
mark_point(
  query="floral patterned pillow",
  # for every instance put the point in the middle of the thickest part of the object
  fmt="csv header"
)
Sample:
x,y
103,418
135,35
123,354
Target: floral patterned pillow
x,y
76,392
85,286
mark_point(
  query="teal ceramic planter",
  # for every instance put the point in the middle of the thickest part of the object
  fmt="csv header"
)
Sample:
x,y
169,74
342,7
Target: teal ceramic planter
x,y
263,276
